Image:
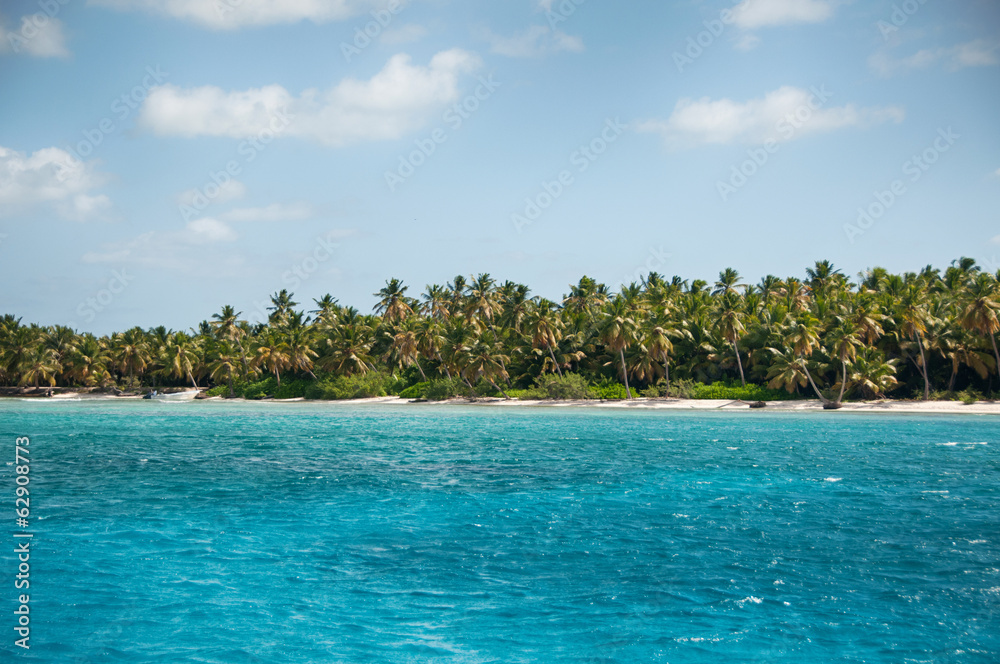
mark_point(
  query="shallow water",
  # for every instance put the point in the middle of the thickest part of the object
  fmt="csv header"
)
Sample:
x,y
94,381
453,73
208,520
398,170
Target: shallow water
x,y
220,532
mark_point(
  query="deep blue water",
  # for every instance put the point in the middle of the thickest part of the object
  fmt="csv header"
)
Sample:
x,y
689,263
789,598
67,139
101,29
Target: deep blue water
x,y
219,532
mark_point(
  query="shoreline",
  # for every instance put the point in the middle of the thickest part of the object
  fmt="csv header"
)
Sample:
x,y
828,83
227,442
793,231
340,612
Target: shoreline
x,y
641,403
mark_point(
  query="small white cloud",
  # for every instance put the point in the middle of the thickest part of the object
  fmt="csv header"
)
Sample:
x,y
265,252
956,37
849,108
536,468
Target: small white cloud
x,y
234,14
398,99
535,41
781,115
207,230
196,198
753,14
404,34
747,42
50,176
274,212
977,53
38,35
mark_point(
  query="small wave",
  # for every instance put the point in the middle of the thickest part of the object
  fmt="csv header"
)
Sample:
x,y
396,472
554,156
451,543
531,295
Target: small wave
x,y
833,479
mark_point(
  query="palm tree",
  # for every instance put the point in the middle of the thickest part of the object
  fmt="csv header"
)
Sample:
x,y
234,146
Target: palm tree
x,y
484,359
545,328
656,339
845,343
392,304
179,357
281,306
406,345
913,323
227,327
39,364
131,352
873,374
980,312
730,324
223,363
617,330
803,339
271,354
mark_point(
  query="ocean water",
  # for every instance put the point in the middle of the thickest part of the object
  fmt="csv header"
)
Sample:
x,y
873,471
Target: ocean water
x,y
225,533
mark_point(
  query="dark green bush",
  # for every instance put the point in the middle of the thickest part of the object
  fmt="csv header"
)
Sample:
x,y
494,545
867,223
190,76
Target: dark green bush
x,y
569,386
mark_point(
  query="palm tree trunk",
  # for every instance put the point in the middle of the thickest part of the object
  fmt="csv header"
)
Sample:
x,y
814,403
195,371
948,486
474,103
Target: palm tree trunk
x,y
554,363
422,374
739,363
191,378
843,381
230,375
954,373
813,383
666,373
923,369
277,374
993,338
621,354
497,387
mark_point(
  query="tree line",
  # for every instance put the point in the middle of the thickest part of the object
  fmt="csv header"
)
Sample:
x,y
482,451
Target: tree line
x,y
911,335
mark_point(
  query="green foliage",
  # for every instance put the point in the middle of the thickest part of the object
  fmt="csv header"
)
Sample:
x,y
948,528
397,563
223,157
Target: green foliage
x,y
609,389
447,388
358,386
969,396
415,391
733,391
218,391
260,389
568,386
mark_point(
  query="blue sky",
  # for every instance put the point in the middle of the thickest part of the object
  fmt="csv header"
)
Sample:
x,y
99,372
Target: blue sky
x,y
161,158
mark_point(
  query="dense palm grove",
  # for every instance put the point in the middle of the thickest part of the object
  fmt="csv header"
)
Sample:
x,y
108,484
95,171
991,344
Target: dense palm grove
x,y
912,335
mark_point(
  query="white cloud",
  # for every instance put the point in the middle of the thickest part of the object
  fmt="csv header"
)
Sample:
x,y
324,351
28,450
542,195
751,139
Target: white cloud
x,y
397,100
753,14
746,42
783,114
229,191
977,53
207,230
37,34
234,14
404,34
535,41
50,177
274,212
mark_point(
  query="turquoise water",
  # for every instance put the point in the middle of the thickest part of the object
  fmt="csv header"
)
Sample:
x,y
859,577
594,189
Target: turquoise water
x,y
220,532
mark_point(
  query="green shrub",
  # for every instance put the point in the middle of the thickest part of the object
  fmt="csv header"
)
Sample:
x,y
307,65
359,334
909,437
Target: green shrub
x,y
447,388
609,390
218,391
732,392
358,386
969,396
568,386
415,391
260,389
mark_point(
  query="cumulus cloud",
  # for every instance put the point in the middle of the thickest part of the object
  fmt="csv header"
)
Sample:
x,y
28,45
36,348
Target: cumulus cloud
x,y
52,178
395,101
753,14
273,212
38,35
535,41
781,115
977,53
183,249
235,14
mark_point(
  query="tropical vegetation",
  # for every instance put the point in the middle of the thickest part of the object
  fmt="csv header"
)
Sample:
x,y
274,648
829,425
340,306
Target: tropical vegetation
x,y
922,335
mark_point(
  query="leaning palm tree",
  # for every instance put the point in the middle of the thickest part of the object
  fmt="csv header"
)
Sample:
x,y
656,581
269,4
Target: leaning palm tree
x,y
227,326
872,374
913,319
405,347
844,344
224,358
617,330
803,338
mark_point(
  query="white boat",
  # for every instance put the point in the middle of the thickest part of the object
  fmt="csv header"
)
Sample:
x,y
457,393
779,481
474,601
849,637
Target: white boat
x,y
173,396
